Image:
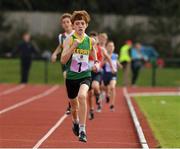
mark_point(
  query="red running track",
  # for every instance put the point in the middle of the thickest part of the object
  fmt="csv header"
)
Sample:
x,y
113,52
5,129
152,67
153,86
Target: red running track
x,y
5,87
25,125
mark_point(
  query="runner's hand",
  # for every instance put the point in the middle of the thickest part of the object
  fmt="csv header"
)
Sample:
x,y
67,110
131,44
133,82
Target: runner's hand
x,y
76,43
53,58
96,67
113,70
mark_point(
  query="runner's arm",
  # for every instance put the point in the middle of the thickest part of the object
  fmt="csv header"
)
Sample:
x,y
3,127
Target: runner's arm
x,y
109,60
119,65
94,49
96,66
55,53
68,48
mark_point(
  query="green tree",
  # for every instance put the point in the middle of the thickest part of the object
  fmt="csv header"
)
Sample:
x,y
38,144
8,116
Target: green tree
x,y
4,29
165,28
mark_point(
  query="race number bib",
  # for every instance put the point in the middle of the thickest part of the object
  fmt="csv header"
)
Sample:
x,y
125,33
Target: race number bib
x,y
79,63
108,67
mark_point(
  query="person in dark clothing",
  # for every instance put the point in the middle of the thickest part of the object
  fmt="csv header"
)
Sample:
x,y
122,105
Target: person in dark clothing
x,y
26,49
136,62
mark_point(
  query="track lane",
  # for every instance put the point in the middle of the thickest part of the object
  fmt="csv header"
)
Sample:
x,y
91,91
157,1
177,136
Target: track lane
x,y
29,100
13,89
4,87
108,129
22,95
25,125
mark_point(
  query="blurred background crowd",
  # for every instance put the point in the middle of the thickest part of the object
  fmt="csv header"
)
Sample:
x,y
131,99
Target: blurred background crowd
x,y
151,27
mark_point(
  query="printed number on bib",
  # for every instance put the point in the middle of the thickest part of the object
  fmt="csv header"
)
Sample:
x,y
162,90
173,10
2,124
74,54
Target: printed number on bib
x,y
79,63
108,67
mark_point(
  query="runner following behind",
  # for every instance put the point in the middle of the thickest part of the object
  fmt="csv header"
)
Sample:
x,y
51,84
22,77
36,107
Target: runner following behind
x,y
66,24
109,76
103,38
96,76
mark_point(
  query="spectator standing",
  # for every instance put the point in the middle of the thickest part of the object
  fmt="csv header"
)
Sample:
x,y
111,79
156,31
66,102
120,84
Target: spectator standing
x,y
125,60
136,63
26,49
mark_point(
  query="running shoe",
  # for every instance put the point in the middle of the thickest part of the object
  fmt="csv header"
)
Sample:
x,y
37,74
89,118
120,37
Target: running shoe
x,y
112,109
68,110
91,115
75,129
107,99
99,108
82,136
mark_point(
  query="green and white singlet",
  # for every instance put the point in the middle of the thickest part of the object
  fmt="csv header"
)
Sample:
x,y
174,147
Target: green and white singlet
x,y
78,64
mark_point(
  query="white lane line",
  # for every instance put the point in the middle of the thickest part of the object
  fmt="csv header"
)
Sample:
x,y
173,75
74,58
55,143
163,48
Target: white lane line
x,y
45,93
156,94
139,131
11,90
58,123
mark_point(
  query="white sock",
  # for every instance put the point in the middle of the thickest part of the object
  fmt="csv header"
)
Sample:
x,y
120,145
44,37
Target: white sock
x,y
82,127
76,121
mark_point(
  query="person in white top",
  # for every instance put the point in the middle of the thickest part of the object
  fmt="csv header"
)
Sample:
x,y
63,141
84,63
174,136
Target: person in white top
x,y
109,77
66,24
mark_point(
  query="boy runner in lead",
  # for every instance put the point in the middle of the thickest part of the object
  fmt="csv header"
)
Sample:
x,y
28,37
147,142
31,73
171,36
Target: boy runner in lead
x,y
76,57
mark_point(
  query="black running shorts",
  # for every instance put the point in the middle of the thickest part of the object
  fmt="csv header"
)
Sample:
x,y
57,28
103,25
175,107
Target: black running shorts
x,y
96,76
108,76
73,86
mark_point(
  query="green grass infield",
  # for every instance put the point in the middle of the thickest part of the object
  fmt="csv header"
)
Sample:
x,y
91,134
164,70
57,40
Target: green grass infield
x,y
10,73
163,115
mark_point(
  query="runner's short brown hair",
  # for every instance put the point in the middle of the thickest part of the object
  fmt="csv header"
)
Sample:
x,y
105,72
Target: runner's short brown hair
x,y
80,15
65,15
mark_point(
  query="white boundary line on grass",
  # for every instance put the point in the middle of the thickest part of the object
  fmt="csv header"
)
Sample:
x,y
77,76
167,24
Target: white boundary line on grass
x,y
58,123
177,93
41,95
140,133
13,89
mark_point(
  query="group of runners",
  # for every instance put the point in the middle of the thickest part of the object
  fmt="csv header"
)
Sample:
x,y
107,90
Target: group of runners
x,y
89,67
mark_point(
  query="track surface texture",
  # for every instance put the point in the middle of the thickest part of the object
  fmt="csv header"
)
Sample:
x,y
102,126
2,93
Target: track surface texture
x,y
33,116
